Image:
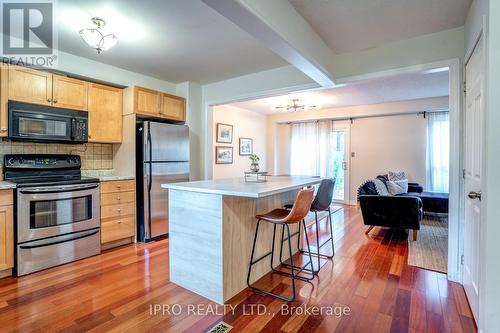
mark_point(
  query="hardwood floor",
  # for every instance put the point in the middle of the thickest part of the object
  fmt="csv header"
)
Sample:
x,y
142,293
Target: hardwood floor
x,y
121,289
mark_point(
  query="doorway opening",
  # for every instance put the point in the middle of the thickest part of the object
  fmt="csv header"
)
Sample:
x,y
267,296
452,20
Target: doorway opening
x,y
373,126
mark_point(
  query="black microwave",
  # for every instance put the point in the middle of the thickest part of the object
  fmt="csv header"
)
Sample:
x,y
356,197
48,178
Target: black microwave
x,y
32,122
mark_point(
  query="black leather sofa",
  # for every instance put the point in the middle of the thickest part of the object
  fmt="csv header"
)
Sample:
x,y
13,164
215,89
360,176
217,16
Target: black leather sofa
x,y
432,202
403,211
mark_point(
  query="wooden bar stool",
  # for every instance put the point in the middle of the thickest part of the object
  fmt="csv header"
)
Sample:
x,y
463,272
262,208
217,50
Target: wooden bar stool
x,y
284,218
321,203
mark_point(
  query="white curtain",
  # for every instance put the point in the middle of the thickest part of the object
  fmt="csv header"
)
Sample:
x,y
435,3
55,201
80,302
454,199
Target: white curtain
x,y
438,152
311,152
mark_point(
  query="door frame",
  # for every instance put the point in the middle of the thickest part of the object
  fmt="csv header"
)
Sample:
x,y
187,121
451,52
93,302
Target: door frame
x,y
455,230
345,126
481,231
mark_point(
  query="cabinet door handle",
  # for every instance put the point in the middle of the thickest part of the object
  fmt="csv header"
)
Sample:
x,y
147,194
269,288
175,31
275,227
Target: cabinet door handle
x,y
49,100
55,101
119,210
118,198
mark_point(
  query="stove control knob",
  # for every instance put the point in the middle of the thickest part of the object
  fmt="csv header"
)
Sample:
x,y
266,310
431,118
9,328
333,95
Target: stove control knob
x,y
12,161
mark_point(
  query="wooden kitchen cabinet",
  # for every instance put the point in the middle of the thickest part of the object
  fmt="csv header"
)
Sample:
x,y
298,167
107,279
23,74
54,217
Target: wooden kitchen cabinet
x,y
105,105
69,93
44,88
152,103
4,84
29,85
147,101
6,230
118,213
172,107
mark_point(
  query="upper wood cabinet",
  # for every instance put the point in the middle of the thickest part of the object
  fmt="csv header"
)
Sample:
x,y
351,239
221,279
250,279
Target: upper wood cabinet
x,y
4,84
147,102
6,230
69,93
105,113
172,107
104,103
44,88
29,85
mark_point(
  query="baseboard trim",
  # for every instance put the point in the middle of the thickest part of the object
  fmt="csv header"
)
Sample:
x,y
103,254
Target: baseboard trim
x,y
5,273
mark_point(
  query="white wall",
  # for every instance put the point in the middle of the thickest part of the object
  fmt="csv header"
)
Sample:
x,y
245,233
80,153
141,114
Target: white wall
x,y
396,143
443,45
192,93
82,66
489,308
474,23
380,144
246,124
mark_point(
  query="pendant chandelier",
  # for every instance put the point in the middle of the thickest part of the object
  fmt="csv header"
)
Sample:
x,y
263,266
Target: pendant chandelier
x,y
295,106
95,38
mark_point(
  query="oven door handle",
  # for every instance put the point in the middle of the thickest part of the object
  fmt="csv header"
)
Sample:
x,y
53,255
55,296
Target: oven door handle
x,y
71,188
59,239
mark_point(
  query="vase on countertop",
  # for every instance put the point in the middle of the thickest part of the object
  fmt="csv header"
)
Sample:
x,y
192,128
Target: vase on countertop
x,y
254,167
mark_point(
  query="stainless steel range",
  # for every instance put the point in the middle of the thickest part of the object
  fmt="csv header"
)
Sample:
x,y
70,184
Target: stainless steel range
x,y
56,211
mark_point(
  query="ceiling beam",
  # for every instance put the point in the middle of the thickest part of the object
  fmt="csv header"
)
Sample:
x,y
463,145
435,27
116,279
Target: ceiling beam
x,y
282,29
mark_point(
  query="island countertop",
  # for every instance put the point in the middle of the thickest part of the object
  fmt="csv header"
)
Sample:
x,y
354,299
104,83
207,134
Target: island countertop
x,y
238,187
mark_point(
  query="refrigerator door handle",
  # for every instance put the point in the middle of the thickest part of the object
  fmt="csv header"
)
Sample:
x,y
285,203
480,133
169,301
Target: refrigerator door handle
x,y
150,164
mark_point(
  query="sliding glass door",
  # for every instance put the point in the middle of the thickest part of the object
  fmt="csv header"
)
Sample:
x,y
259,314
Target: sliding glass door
x,y
322,149
340,156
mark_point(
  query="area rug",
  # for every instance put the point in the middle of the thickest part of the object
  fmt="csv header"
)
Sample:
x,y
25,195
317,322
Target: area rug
x,y
430,250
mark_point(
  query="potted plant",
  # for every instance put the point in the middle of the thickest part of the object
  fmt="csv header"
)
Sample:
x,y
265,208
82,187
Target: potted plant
x,y
254,167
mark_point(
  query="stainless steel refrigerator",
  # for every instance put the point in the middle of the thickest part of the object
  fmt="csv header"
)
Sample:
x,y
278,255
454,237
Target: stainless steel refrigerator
x,y
162,155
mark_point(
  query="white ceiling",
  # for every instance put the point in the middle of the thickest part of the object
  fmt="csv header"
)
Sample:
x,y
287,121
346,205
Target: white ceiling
x,y
389,89
351,25
185,40
174,40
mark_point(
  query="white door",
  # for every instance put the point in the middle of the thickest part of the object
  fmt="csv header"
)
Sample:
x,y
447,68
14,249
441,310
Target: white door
x,y
340,153
474,112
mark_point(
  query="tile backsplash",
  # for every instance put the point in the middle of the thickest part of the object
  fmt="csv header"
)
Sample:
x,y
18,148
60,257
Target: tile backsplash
x,y
95,156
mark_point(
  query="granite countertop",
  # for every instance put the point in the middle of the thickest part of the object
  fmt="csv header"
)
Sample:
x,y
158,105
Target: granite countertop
x,y
105,175
5,185
238,186
115,177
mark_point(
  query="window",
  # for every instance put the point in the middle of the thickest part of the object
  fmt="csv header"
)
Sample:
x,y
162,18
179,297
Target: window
x,y
438,152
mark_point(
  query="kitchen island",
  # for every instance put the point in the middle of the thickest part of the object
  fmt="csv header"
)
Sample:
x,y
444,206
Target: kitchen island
x,y
212,225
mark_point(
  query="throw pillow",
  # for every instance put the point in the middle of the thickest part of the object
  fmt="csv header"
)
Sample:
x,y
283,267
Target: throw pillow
x,y
380,186
396,187
397,175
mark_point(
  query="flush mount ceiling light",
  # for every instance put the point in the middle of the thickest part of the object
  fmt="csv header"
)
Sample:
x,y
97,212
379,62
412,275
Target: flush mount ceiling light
x,y
295,106
95,38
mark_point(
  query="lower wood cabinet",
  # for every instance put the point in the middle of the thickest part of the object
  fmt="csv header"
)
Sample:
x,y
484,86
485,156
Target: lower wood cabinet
x,y
118,213
6,230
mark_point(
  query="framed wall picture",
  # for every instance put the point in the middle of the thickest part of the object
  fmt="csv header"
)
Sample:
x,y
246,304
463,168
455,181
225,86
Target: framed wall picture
x,y
224,133
223,155
246,146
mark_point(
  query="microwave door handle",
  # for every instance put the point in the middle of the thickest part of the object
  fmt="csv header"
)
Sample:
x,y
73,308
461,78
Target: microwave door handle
x,y
73,128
